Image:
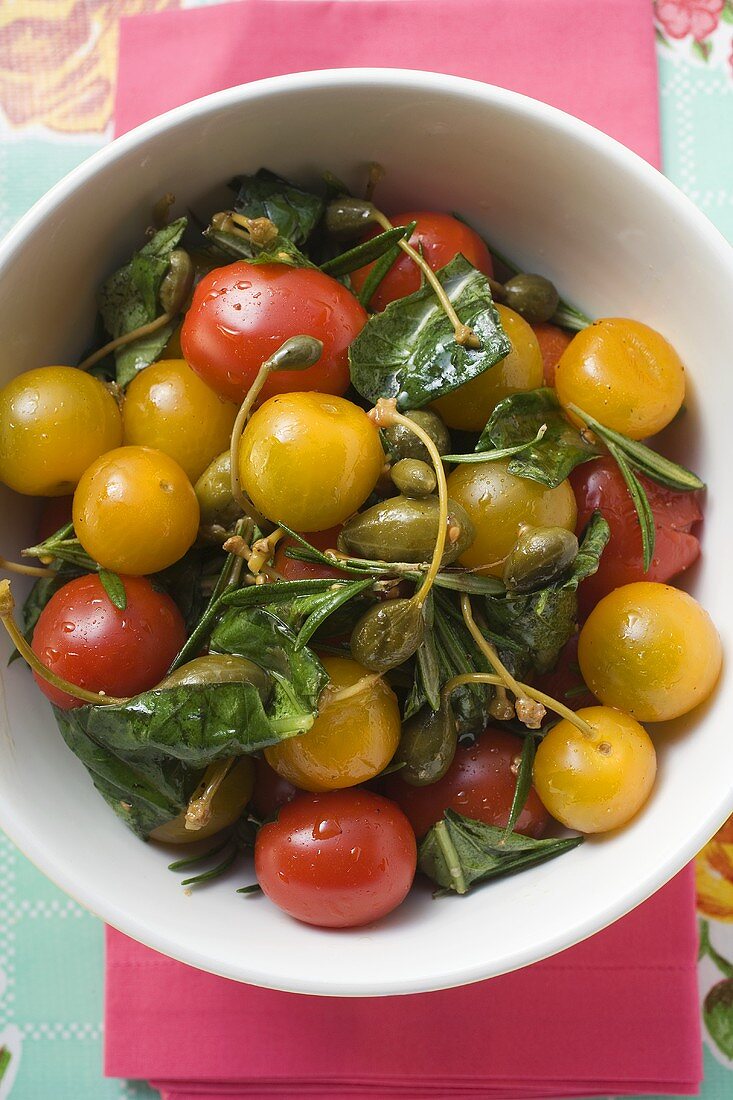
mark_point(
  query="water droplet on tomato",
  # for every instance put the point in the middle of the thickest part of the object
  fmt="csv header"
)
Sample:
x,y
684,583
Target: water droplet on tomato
x,y
326,829
283,877
51,654
355,854
68,628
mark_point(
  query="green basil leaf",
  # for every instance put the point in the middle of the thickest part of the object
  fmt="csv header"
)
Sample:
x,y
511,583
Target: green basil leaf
x,y
459,852
366,252
593,542
114,588
280,250
518,419
523,784
409,351
294,211
131,358
718,1015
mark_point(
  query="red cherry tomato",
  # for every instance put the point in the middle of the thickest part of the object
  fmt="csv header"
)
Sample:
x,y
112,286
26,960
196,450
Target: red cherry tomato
x,y
552,340
82,637
55,514
292,569
479,784
441,238
599,485
271,791
338,859
242,313
565,683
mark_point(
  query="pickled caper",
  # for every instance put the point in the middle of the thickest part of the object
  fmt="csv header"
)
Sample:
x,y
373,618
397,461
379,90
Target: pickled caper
x,y
403,443
177,282
220,668
531,296
348,217
413,477
387,634
427,745
214,493
405,529
540,555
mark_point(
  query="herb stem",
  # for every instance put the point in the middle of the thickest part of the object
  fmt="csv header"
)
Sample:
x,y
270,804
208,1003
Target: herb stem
x,y
126,338
7,606
488,649
26,570
199,809
451,857
464,335
707,950
532,693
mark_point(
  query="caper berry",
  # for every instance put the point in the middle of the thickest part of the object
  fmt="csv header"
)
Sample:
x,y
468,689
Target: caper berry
x,y
405,529
214,493
177,282
347,217
220,668
403,443
427,746
531,296
540,555
387,634
413,477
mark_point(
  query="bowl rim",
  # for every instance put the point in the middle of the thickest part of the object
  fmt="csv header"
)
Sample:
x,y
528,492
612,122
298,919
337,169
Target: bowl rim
x,y
27,840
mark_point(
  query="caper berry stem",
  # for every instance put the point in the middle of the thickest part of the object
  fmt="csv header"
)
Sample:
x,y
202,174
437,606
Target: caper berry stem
x,y
528,692
376,174
199,809
7,607
262,550
464,335
337,695
26,570
127,338
488,649
385,414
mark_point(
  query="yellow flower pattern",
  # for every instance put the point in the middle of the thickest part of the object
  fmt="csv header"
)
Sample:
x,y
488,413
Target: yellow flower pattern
x,y
714,876
58,61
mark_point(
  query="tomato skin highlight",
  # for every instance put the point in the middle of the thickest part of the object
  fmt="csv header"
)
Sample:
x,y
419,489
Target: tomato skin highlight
x,y
242,313
337,860
598,485
441,237
479,784
84,638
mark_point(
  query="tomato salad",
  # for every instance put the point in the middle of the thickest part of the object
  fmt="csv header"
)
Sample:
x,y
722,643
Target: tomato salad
x,y
353,555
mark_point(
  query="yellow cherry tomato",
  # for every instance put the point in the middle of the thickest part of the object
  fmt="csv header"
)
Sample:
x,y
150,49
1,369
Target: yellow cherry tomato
x,y
227,805
54,421
135,511
624,374
309,460
170,408
500,504
650,649
595,783
351,740
471,405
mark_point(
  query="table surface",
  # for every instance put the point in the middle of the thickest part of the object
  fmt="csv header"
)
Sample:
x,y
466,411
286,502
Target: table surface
x,y
51,966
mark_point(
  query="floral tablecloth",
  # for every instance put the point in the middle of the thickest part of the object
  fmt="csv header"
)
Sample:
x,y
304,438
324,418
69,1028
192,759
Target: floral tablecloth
x,y
57,71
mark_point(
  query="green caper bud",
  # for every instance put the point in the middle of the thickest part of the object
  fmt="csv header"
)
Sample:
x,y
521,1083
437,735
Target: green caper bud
x,y
541,554
427,746
297,353
403,443
220,668
347,217
387,634
531,296
405,529
214,494
177,282
413,477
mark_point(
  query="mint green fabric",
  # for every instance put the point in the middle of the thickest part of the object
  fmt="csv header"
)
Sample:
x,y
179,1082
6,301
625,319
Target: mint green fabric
x,y
51,968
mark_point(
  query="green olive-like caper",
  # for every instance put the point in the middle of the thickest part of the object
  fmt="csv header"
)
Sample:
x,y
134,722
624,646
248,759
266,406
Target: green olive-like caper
x,y
214,493
427,745
405,529
220,668
403,443
413,477
347,217
532,296
540,555
177,282
388,634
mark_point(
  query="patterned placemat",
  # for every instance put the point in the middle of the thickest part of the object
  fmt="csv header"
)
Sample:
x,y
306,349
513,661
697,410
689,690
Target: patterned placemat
x,y
57,69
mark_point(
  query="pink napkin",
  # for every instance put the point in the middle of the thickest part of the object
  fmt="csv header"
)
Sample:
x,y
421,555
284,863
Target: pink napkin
x,y
616,1014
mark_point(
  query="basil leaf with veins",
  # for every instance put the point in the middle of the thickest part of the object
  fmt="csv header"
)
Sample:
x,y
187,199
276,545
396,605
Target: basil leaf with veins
x,y
409,350
295,211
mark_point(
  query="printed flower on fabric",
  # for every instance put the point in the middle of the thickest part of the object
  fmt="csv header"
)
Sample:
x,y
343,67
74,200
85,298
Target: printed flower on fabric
x,y
58,60
714,875
696,17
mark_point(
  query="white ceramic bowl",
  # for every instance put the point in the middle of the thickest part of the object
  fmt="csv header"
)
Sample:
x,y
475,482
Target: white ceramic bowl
x,y
563,199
